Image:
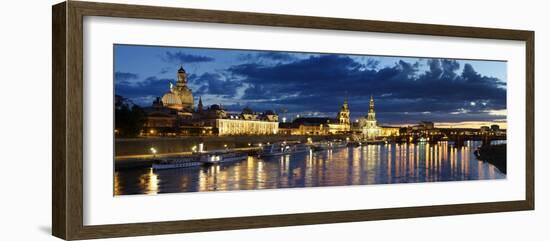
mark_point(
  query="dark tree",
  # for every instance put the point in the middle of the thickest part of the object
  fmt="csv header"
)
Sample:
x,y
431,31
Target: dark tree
x,y
129,117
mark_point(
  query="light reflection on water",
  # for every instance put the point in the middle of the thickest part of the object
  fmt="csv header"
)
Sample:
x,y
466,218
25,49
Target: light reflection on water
x,y
373,164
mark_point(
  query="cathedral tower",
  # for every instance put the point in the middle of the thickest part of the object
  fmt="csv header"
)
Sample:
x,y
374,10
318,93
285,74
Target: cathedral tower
x,y
344,116
370,128
182,76
371,116
183,91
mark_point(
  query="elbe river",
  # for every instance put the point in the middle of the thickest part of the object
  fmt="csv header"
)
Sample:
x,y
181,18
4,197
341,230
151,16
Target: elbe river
x,y
364,165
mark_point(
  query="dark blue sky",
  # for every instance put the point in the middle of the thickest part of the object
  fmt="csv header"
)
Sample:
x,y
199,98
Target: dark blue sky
x,y
406,90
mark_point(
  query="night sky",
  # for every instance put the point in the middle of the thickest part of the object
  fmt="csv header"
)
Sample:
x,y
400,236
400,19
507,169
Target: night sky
x,y
450,92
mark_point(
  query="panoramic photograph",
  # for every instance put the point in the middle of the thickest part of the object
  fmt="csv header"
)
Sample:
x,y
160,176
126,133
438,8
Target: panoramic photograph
x,y
190,119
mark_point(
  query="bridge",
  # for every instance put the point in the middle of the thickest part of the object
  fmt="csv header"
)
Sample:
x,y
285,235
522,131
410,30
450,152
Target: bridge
x,y
458,139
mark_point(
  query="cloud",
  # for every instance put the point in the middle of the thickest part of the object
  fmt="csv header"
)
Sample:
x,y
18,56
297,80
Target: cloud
x,y
372,63
268,55
125,76
164,70
313,76
423,88
320,83
215,84
181,57
143,91
276,56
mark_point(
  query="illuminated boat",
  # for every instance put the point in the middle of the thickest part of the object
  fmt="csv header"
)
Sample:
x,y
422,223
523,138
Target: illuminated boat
x,y
329,145
283,149
422,139
222,157
184,162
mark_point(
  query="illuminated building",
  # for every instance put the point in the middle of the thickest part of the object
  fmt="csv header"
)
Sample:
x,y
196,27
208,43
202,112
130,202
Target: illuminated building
x,y
245,127
484,129
179,97
387,131
174,114
368,126
245,123
160,120
427,125
343,119
424,128
309,126
320,125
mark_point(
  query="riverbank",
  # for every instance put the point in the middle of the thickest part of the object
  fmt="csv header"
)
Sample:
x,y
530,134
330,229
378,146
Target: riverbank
x,y
494,154
142,146
146,160
132,164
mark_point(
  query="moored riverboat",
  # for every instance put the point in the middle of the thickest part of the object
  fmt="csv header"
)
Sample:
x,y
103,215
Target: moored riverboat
x,y
330,145
354,144
222,157
185,162
283,149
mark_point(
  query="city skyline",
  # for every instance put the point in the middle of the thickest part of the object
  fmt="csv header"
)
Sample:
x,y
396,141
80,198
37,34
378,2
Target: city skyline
x,y
449,92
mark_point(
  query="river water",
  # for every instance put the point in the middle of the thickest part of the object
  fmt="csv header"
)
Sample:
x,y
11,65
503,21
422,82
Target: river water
x,y
372,164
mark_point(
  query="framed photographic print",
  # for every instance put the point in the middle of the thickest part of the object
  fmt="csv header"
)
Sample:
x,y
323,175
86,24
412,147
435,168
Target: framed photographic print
x,y
170,120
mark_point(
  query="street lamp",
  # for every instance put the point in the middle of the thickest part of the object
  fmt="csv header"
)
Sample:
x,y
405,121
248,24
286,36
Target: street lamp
x,y
153,151
201,147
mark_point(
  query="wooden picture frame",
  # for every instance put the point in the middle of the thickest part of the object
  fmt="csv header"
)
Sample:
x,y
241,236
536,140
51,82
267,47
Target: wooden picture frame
x,y
67,152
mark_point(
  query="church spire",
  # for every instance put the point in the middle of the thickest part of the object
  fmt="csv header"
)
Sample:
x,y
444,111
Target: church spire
x,y
371,104
182,76
200,107
344,115
181,70
345,105
371,115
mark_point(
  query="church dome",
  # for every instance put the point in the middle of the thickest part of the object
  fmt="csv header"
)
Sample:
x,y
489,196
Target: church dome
x,y
186,97
171,100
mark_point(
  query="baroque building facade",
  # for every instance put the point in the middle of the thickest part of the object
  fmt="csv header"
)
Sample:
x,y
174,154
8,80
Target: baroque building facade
x,y
175,114
180,96
320,125
344,118
368,125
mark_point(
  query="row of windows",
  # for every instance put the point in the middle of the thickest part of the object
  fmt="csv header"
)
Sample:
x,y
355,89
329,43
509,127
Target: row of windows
x,y
232,127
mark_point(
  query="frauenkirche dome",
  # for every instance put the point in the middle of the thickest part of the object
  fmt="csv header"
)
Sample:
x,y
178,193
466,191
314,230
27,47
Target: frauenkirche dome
x,y
172,101
180,96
